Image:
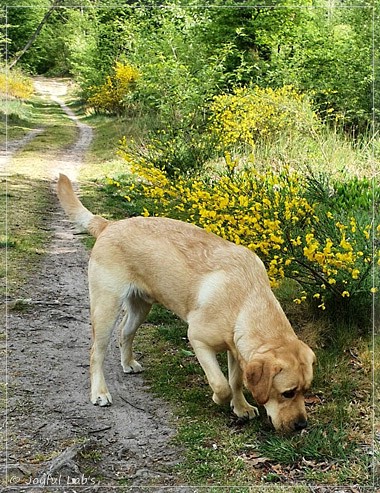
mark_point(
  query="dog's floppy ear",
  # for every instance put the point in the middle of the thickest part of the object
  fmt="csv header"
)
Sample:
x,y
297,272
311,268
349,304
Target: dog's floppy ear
x,y
259,375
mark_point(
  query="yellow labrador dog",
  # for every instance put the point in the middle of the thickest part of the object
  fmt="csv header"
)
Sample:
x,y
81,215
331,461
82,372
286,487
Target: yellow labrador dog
x,y
220,289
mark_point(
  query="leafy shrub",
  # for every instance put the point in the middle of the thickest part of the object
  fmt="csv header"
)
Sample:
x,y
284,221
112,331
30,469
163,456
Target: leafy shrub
x,y
111,97
174,91
249,114
235,121
175,150
277,215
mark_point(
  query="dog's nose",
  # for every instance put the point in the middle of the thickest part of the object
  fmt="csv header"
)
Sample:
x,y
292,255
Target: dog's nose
x,y
300,424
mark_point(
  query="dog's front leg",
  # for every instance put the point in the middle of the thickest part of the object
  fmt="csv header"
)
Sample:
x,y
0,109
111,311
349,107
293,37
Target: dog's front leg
x,y
217,381
239,404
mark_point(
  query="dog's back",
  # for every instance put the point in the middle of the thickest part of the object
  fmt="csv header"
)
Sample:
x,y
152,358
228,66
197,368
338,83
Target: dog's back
x,y
172,262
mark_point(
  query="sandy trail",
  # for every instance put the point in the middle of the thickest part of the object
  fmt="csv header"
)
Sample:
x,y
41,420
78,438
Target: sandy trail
x,y
56,439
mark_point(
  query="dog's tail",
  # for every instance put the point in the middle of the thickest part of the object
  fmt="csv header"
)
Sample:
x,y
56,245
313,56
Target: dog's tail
x,y
76,211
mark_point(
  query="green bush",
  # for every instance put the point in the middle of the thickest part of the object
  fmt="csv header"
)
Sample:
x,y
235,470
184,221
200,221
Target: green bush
x,y
178,79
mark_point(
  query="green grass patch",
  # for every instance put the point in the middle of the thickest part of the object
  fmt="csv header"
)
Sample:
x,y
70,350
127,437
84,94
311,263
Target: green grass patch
x,y
17,119
23,116
328,152
27,203
59,129
102,160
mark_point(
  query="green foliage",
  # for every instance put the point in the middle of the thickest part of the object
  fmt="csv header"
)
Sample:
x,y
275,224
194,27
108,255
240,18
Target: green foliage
x,y
68,39
187,55
325,52
177,79
254,34
23,20
3,27
329,57
95,40
351,193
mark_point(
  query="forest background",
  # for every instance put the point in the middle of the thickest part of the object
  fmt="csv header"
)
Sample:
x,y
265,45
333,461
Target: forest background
x,y
246,87
257,121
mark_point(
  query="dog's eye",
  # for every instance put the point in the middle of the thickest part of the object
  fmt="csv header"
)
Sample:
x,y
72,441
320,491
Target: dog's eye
x,y
289,394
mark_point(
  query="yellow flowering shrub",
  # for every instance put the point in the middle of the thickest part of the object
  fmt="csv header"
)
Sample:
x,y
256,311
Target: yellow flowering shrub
x,y
111,96
16,85
255,113
330,254
302,226
191,136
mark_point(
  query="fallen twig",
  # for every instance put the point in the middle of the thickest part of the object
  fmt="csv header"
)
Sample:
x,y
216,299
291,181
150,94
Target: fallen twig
x,y
133,405
100,429
29,301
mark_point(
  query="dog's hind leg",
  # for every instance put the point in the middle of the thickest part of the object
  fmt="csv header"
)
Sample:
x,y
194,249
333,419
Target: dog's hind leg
x,y
137,310
239,405
105,309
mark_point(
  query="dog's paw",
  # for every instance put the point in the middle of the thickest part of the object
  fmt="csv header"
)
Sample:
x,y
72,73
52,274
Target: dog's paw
x,y
132,367
222,398
247,411
102,400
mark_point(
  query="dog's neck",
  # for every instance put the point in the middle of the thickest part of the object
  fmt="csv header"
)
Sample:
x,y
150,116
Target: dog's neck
x,y
267,321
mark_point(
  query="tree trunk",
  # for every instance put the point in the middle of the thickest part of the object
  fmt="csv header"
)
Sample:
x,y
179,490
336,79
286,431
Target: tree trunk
x,y
35,34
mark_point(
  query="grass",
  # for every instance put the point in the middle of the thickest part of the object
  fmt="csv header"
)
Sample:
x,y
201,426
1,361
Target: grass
x,y
17,119
330,151
27,202
23,116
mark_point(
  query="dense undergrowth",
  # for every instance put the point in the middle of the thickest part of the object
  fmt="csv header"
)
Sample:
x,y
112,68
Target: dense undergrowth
x,y
321,229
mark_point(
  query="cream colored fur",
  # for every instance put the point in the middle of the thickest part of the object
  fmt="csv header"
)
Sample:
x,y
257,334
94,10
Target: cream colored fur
x,y
220,289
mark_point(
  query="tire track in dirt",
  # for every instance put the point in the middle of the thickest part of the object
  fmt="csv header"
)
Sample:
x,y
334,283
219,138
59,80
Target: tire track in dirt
x,y
56,439
12,146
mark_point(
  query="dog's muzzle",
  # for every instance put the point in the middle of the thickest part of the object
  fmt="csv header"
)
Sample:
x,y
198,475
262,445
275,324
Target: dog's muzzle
x,y
300,425
296,426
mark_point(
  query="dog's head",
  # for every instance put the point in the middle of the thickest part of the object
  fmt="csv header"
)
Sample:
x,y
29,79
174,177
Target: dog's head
x,y
278,379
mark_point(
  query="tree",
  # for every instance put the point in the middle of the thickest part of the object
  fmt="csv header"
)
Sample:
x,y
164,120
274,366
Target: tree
x,y
35,34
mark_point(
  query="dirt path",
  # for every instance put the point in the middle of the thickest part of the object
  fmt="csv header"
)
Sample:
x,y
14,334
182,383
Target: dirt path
x,y
57,440
14,146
